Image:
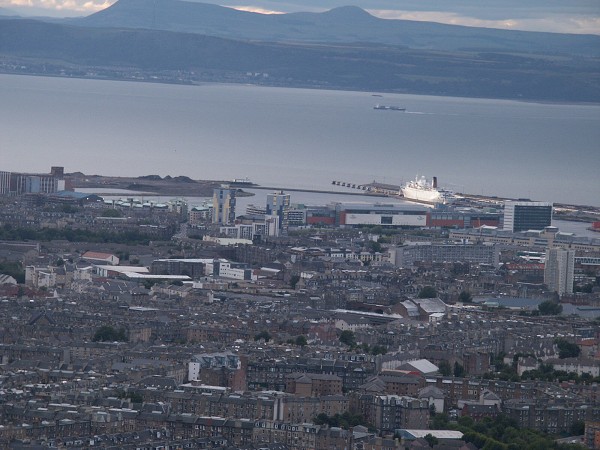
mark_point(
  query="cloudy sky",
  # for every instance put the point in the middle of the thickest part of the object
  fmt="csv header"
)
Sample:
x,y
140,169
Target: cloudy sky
x,y
561,16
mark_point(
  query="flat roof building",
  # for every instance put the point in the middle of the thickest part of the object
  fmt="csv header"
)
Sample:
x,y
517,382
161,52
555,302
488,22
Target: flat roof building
x,y
525,215
385,215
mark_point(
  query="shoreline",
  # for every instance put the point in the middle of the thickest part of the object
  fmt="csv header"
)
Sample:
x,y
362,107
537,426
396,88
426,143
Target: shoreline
x,y
245,193
186,187
310,87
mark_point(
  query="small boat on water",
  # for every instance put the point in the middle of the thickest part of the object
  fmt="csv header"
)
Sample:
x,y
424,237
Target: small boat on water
x,y
388,108
242,182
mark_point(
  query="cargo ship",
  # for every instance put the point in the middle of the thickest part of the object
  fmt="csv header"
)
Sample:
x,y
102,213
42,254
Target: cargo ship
x,y
423,191
241,182
389,108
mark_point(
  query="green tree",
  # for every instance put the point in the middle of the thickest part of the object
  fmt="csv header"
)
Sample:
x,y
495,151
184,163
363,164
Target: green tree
x,y
13,269
135,397
431,439
321,419
378,350
110,213
374,247
263,335
578,428
107,333
566,349
445,368
550,308
345,420
427,292
149,283
440,421
465,297
301,341
503,433
69,209
294,281
459,370
347,337
465,421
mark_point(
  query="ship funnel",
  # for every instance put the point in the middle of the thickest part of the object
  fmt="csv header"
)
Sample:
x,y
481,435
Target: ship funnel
x,y
434,182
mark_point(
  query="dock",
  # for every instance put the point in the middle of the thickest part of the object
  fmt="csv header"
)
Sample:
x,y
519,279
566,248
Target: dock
x,y
371,188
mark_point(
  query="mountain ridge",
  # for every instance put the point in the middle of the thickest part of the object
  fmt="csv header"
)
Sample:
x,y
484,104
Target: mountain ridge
x,y
347,24
154,55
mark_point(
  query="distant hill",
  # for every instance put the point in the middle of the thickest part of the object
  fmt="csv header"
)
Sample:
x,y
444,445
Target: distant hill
x,y
7,12
49,48
340,25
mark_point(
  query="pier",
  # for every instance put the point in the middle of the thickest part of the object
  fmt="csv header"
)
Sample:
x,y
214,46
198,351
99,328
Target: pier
x,y
371,188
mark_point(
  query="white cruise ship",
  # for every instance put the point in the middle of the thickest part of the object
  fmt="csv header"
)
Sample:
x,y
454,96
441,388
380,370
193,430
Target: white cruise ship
x,y
423,191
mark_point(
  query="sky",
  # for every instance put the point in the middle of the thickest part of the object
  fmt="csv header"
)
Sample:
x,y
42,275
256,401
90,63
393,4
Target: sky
x,y
560,16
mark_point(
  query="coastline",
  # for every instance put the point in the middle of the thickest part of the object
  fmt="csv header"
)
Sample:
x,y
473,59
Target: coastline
x,y
316,87
152,185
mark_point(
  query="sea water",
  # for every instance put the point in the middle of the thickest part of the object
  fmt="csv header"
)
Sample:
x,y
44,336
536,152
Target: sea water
x,y
300,138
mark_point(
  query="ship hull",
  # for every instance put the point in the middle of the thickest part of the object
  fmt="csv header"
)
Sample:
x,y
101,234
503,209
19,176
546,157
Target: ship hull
x,y
422,195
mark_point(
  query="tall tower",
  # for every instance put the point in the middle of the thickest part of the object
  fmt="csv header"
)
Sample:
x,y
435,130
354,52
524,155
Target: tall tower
x,y
278,204
559,270
5,183
224,205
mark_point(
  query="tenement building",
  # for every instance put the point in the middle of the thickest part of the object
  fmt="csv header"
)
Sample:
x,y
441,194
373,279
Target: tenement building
x,y
407,255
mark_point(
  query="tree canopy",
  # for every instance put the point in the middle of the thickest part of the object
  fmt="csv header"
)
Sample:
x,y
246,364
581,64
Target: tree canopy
x,y
9,233
566,349
427,292
465,297
301,341
345,420
550,308
107,333
263,335
445,368
347,337
502,433
13,269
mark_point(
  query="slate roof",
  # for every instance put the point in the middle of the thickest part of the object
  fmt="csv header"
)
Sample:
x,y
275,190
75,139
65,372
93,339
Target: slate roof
x,y
431,392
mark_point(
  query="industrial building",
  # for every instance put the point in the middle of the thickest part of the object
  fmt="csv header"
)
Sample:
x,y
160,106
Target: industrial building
x,y
462,218
385,215
15,183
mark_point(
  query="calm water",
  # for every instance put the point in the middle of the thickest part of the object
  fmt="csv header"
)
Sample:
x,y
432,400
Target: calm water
x,y
300,138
